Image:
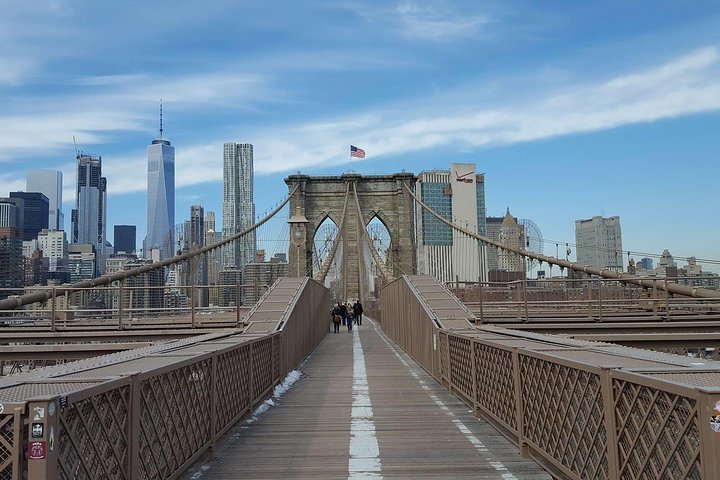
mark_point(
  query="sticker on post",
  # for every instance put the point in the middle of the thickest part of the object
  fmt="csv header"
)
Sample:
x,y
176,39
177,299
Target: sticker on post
x,y
37,451
39,413
2,408
51,409
38,429
717,406
715,423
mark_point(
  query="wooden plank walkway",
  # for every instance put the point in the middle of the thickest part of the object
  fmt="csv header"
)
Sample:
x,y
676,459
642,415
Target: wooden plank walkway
x,y
361,389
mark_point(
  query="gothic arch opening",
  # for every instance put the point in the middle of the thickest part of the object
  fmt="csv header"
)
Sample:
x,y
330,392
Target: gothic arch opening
x,y
382,241
323,240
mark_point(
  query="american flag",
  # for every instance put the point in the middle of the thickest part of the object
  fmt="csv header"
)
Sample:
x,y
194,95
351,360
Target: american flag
x,y
356,152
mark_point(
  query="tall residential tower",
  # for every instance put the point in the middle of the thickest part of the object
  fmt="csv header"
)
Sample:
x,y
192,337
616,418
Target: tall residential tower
x,y
238,206
161,197
90,212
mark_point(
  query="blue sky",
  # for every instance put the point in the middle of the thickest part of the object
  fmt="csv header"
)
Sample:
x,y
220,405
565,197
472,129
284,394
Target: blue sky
x,y
572,109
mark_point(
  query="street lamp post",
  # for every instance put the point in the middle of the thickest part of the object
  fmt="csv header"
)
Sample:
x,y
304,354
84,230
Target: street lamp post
x,y
297,234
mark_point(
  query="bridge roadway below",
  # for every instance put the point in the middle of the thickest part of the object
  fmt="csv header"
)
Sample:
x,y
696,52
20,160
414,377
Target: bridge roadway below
x,y
364,409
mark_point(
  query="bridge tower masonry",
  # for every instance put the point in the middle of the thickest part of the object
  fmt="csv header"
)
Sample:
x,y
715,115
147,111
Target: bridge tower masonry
x,y
381,196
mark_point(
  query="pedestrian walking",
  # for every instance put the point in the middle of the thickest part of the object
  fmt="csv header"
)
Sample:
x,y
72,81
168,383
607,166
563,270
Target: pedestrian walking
x,y
344,313
335,314
348,316
358,311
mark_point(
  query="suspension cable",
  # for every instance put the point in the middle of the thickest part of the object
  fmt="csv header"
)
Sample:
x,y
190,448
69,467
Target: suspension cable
x,y
670,287
46,294
320,278
373,251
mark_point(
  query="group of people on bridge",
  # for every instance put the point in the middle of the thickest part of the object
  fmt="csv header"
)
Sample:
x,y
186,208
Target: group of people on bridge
x,y
347,314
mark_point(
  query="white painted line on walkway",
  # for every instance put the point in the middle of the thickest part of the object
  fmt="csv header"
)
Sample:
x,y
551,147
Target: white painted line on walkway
x,y
364,451
479,446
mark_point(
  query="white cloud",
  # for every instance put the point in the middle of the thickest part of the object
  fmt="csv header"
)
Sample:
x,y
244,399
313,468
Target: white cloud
x,y
437,22
685,86
121,106
20,134
15,70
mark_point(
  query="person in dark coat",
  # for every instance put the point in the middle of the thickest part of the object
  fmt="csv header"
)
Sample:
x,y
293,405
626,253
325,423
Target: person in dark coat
x,y
343,313
336,318
348,316
358,311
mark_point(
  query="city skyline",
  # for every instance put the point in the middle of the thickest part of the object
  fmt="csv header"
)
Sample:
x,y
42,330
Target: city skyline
x,y
568,117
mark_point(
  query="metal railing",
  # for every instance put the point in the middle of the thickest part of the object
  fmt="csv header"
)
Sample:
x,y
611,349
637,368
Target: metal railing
x,y
127,307
593,299
691,290
152,412
583,410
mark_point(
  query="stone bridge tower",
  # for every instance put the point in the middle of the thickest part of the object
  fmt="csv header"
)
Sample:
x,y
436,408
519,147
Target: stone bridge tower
x,y
381,196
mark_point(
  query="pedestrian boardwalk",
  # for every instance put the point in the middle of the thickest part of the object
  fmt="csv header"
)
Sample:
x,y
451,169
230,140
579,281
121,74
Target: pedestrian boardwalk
x,y
364,409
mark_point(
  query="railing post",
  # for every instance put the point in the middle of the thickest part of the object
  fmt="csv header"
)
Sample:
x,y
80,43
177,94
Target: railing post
x,y
120,305
600,299
52,309
193,281
654,298
606,391
237,303
480,292
524,290
667,300
42,441
272,360
474,376
517,386
516,298
130,303
67,308
708,408
134,426
213,400
449,364
251,375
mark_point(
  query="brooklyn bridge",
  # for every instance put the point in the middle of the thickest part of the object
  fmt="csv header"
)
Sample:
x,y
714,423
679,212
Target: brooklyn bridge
x,y
594,375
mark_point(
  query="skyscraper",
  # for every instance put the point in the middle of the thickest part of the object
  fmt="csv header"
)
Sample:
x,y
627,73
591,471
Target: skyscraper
x,y
124,239
457,194
511,235
50,183
36,213
238,206
213,257
197,241
599,242
161,197
54,246
89,214
11,246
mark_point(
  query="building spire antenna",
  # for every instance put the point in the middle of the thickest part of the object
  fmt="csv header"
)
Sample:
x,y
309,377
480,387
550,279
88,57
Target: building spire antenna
x,y
161,129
